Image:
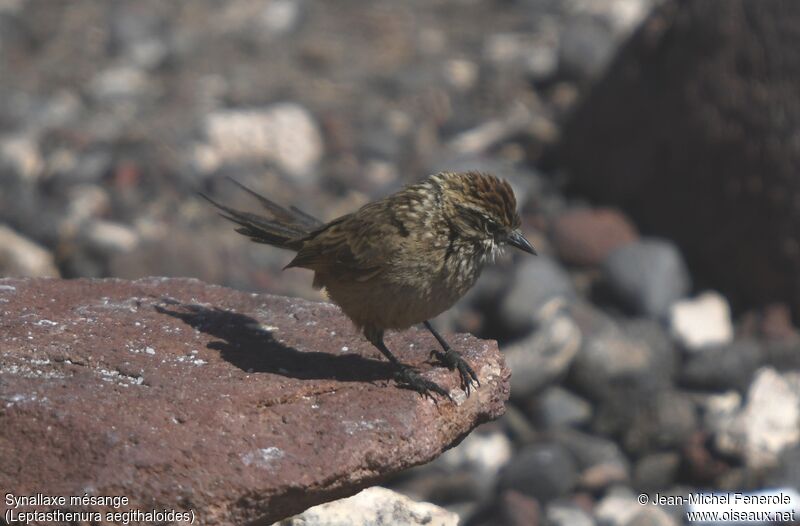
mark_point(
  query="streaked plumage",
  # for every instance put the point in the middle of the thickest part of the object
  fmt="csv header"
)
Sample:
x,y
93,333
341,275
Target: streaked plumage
x,y
400,260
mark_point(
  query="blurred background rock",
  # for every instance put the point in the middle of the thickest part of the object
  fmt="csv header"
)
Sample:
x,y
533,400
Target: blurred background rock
x,y
654,147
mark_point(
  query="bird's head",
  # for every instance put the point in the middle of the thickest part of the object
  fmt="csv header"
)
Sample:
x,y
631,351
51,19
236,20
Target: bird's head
x,y
483,207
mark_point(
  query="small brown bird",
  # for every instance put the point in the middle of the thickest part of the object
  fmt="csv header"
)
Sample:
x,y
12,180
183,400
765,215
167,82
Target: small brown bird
x,y
400,260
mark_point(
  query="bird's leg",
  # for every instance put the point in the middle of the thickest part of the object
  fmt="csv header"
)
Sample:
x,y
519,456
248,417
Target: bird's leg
x,y
453,360
404,374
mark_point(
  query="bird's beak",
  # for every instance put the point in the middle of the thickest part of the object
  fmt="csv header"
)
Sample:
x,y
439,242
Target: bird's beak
x,y
516,239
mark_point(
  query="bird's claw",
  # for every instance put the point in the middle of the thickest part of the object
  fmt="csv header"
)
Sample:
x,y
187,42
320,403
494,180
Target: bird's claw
x,y
452,360
411,380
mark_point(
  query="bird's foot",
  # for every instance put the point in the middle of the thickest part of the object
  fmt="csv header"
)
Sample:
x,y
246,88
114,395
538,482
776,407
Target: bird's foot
x,y
411,380
452,360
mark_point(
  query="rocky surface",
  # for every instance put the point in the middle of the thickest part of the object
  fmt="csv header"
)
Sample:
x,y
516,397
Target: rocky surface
x,y
647,276
241,407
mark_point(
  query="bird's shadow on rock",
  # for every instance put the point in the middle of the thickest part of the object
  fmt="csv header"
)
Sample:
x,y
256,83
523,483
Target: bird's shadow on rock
x,y
246,344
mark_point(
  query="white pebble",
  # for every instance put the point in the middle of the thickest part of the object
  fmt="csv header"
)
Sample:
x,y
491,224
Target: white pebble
x,y
702,322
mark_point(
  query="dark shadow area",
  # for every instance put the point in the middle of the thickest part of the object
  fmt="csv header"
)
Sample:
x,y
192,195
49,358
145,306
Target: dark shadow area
x,y
246,345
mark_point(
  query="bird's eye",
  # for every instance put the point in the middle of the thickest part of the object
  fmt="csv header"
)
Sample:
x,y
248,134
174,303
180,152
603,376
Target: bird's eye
x,y
493,228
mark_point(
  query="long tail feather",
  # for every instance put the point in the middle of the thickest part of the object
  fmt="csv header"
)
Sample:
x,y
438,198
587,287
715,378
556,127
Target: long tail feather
x,y
285,229
292,216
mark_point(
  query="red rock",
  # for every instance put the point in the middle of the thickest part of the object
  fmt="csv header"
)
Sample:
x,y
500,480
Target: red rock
x,y
510,508
243,408
587,236
518,509
776,323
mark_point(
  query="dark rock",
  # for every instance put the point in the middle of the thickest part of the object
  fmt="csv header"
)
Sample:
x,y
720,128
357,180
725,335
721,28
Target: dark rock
x,y
717,173
699,465
656,471
616,360
241,407
782,355
558,407
600,461
588,236
626,369
536,281
720,368
381,142
88,167
510,508
543,471
665,419
517,426
776,323
545,355
647,276
437,485
479,304
518,509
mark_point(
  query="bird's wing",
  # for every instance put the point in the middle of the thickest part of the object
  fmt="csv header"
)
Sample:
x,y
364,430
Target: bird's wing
x,y
348,247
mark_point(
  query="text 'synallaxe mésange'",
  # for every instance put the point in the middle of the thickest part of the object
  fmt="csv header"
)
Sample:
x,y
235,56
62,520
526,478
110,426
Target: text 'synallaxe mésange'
x,y
40,508
770,506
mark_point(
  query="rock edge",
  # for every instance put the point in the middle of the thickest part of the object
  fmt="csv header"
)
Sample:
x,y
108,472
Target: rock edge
x,y
243,408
